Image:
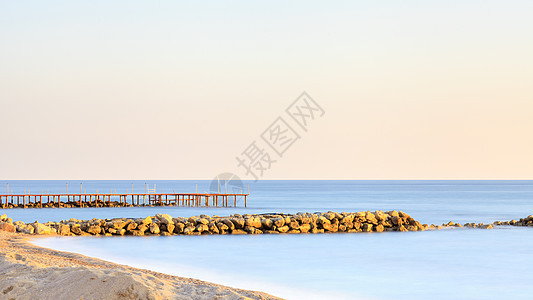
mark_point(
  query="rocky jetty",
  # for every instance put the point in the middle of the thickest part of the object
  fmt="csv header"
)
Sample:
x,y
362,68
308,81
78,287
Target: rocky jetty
x,y
275,223
163,224
528,221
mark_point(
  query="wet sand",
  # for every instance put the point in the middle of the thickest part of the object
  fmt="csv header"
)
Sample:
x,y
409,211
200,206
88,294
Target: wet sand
x,y
31,272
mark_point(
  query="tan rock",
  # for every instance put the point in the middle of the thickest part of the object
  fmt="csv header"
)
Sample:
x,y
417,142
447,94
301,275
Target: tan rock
x,y
223,227
27,229
250,229
253,222
323,220
41,228
179,227
367,227
201,227
170,228
267,224
164,218
64,229
213,228
393,213
294,224
397,221
278,222
143,227
75,228
4,226
347,219
202,221
371,218
330,227
238,222
147,221
154,228
228,223
119,224
137,233
94,229
329,215
283,229
305,228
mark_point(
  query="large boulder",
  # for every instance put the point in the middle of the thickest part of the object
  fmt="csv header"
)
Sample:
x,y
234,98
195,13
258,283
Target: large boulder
x,y
283,229
267,223
164,218
294,224
76,229
367,227
179,227
238,222
228,223
63,229
4,226
253,222
305,228
201,227
41,228
143,227
154,228
202,221
278,222
323,220
330,227
94,229
131,226
170,227
26,228
213,228
147,220
371,218
117,224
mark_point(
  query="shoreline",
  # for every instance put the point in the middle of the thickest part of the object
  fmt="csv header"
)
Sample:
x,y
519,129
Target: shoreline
x,y
29,271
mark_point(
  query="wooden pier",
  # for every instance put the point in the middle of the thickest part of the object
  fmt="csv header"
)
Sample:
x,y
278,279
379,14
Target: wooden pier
x,y
120,200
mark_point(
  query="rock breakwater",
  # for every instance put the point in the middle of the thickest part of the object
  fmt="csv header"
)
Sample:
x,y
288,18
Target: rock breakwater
x,y
275,223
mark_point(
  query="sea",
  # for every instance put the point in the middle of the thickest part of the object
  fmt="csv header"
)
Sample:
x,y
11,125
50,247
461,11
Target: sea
x,y
454,263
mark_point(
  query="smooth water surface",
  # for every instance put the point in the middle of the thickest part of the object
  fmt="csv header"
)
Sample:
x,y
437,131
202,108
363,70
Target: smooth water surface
x,y
446,264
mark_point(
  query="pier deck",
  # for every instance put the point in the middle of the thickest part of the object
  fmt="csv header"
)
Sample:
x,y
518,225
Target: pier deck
x,y
120,199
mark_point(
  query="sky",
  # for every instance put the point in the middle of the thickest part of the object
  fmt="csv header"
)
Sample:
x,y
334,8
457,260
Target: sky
x,y
181,89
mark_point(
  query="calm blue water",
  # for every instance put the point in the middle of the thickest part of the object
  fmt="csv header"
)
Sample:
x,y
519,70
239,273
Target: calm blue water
x,y
447,264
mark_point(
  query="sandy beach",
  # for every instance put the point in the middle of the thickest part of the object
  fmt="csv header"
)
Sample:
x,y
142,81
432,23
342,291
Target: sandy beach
x,y
31,272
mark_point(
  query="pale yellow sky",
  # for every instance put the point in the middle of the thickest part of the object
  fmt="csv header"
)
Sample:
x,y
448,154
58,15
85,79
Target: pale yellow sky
x,y
129,90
